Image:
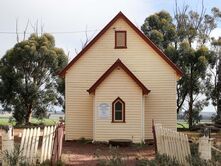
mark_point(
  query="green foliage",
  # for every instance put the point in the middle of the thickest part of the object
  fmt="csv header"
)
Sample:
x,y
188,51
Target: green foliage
x,y
195,160
160,29
29,83
177,37
14,157
216,156
198,107
160,160
4,121
114,158
213,81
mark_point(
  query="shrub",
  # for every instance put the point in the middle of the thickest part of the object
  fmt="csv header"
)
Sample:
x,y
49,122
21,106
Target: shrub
x,y
11,158
160,160
193,160
216,156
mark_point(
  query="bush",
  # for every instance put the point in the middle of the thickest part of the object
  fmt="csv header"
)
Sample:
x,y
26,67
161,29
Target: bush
x,y
11,158
160,160
193,160
216,156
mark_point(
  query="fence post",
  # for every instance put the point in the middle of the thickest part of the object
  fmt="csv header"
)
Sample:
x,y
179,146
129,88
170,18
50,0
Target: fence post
x,y
7,141
58,142
154,136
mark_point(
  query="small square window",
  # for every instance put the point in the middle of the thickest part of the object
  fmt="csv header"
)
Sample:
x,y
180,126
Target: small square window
x,y
120,39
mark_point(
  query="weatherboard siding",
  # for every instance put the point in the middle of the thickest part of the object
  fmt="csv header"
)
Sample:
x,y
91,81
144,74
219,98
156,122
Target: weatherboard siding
x,y
141,59
119,84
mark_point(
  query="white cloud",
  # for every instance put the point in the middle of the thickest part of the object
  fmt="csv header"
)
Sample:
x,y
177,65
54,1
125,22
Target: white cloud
x,y
216,33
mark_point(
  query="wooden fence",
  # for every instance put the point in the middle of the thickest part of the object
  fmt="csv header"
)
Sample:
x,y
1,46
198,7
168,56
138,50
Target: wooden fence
x,y
47,143
172,143
51,145
30,141
29,144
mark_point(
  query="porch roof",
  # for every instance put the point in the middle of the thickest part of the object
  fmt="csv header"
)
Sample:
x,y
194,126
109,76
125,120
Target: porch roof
x,y
120,64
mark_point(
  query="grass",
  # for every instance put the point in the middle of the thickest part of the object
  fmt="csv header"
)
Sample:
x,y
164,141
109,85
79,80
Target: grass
x,y
4,121
182,125
46,122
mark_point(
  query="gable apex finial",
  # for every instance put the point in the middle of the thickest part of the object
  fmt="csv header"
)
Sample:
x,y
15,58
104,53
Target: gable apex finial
x,y
118,60
120,13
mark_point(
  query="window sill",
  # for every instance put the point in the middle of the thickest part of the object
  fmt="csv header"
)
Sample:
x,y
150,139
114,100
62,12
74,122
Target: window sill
x,y
118,122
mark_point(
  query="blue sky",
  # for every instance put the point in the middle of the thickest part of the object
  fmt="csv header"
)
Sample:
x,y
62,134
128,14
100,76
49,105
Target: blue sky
x,y
76,15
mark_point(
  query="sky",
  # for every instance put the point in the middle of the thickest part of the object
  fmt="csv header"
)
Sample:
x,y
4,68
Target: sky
x,y
68,20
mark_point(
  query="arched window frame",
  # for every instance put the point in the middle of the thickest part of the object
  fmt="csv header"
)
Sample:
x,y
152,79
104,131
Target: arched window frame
x,y
113,111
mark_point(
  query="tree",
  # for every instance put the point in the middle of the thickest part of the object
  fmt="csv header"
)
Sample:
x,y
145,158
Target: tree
x,y
214,78
160,29
28,76
195,27
177,40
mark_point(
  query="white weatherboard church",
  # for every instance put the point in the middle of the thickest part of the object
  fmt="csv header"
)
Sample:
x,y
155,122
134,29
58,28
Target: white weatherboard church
x,y
117,84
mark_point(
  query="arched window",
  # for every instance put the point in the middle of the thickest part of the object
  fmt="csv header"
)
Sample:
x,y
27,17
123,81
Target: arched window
x,y
118,110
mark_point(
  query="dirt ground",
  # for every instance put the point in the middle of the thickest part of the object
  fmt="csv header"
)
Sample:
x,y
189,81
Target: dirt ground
x,y
81,154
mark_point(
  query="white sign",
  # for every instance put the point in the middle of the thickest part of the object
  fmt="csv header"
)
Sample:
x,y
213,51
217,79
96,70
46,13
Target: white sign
x,y
103,111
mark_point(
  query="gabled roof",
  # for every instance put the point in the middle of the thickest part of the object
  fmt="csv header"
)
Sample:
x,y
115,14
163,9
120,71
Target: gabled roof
x,y
146,39
118,63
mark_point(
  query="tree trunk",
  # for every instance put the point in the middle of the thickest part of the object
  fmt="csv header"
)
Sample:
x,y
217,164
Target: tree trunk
x,y
28,115
191,111
219,90
191,100
177,100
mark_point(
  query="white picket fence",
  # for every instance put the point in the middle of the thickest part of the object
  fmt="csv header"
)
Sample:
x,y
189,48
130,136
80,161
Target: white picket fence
x,y
30,141
47,143
172,143
29,144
